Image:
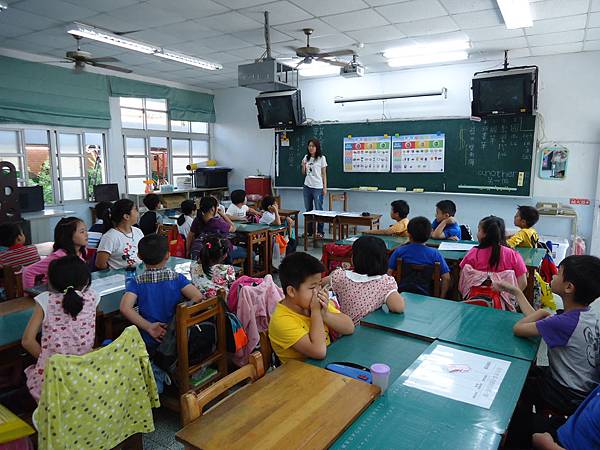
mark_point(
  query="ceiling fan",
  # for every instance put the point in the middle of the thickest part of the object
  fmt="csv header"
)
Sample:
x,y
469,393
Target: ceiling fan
x,y
82,58
310,54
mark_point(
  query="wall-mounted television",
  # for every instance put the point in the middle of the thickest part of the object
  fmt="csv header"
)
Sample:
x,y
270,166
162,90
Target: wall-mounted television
x,y
504,92
280,109
106,192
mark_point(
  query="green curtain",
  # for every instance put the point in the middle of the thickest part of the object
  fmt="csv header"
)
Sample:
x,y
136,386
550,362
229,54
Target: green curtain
x,y
44,94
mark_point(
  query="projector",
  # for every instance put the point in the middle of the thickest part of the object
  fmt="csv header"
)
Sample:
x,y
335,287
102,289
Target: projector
x,y
352,70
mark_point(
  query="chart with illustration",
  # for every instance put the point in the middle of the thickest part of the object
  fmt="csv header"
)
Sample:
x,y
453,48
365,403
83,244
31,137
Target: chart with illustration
x,y
418,153
367,154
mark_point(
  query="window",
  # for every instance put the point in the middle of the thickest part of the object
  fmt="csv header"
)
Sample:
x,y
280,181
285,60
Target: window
x,y
158,148
67,164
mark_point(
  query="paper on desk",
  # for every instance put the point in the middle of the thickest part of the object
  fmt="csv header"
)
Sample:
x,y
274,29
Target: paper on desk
x,y
350,214
477,386
108,285
352,239
322,213
460,246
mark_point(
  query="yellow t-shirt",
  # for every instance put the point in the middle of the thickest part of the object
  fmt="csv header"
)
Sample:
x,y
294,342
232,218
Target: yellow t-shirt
x,y
525,237
287,327
399,228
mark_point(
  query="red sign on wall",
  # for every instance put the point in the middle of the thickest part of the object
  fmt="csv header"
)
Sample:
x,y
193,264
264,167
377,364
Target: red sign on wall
x,y
580,201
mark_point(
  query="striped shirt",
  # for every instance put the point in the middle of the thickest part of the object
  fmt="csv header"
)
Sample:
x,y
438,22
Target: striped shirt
x,y
19,255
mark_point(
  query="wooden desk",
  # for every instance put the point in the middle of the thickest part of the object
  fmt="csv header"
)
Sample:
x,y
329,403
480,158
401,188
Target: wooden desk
x,y
345,220
315,219
256,236
295,406
293,213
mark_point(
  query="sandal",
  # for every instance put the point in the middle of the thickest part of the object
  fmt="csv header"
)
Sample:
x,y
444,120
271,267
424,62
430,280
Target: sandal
x,y
318,235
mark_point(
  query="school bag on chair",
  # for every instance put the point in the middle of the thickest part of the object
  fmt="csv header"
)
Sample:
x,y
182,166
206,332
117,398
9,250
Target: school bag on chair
x,y
485,295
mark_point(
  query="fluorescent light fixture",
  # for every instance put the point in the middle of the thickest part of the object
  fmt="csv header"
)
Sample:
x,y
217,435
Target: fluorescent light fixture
x,y
190,60
516,13
97,34
426,49
420,60
318,68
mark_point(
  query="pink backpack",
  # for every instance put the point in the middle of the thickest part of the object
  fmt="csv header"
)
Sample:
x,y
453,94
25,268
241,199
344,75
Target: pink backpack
x,y
234,290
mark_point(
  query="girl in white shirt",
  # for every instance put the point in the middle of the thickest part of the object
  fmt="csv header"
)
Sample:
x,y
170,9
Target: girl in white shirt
x,y
184,221
314,168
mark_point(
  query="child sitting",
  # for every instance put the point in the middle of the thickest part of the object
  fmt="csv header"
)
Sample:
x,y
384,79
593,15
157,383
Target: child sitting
x,y
185,220
238,210
70,238
66,314
210,273
300,323
150,220
445,226
416,252
17,253
571,338
367,287
270,215
157,291
399,213
525,218
100,210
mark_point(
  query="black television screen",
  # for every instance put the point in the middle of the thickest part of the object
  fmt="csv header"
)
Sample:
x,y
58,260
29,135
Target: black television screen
x,y
31,198
106,192
279,109
504,94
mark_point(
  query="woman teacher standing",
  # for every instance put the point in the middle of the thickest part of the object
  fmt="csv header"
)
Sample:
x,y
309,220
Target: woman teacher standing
x,y
314,167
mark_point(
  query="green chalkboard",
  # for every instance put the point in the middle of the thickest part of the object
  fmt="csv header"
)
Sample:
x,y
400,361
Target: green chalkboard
x,y
493,156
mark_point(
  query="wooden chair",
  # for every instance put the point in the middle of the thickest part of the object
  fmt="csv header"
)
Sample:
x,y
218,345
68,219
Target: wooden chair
x,y
333,198
436,277
13,281
269,357
188,316
193,404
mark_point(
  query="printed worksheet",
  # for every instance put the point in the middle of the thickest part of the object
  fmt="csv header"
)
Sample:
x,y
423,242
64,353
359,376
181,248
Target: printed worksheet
x,y
108,285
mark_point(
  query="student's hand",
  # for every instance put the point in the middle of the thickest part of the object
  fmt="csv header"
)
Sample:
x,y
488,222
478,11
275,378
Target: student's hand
x,y
315,304
502,286
544,441
450,220
157,330
274,208
323,296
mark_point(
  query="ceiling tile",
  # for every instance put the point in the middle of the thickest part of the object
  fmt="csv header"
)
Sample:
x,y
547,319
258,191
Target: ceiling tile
x,y
554,49
356,20
103,5
101,49
248,52
238,4
294,29
56,37
549,9
188,31
7,30
594,20
559,24
110,23
158,38
463,6
479,19
564,37
225,42
413,10
194,48
257,37
26,20
383,2
519,53
190,9
143,17
428,26
328,7
591,46
504,44
279,12
230,22
134,58
451,36
26,46
595,5
222,57
332,41
497,32
380,47
55,9
161,66
384,33
591,34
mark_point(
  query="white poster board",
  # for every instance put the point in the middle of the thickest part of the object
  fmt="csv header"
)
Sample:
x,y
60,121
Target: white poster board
x,y
418,153
367,154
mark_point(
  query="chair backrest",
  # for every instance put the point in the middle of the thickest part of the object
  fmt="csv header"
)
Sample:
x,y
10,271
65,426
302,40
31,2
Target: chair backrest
x,y
419,278
192,404
343,197
465,233
13,281
188,316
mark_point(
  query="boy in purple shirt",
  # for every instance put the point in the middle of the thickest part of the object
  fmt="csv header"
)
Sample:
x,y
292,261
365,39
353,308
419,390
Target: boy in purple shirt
x,y
572,339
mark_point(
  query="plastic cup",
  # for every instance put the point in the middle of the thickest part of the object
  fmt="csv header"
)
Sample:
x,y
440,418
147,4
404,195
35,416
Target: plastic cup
x,y
380,376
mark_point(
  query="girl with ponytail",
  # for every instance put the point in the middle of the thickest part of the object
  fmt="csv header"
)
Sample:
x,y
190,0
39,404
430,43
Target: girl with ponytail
x,y
66,315
493,254
185,220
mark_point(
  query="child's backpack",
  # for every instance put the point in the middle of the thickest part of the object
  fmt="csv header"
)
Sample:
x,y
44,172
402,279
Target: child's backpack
x,y
416,278
548,268
542,293
234,290
465,233
336,251
236,335
485,295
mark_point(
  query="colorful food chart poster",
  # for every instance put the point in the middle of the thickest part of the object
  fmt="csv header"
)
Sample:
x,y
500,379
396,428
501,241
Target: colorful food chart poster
x,y
367,154
418,153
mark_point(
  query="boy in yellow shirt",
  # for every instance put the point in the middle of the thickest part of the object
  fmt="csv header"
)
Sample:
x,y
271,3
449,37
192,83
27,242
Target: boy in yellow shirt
x,y
525,218
301,322
399,213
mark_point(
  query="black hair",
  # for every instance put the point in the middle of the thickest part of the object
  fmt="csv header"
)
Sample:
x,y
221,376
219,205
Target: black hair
x,y
207,203
529,214
151,201
369,256
267,202
101,208
152,248
114,215
317,144
214,251
9,232
238,196
187,208
495,237
447,207
67,275
296,268
583,271
419,229
401,208
63,235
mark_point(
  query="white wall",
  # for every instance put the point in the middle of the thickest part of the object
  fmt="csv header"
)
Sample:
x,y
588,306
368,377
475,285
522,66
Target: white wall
x,y
568,99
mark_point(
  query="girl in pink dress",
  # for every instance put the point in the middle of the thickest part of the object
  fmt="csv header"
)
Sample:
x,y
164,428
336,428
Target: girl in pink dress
x,y
66,315
210,273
